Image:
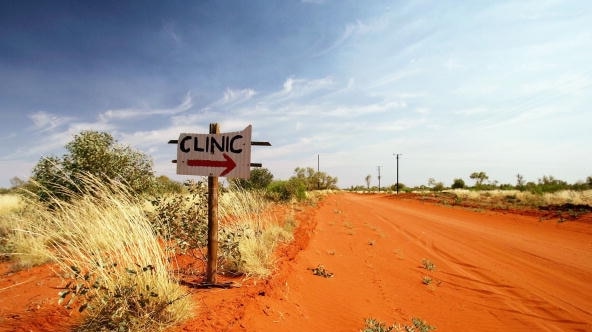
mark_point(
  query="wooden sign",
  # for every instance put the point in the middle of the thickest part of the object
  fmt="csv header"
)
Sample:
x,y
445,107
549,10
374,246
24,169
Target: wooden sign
x,y
224,154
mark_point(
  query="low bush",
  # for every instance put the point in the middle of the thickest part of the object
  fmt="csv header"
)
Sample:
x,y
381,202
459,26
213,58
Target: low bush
x,y
417,325
428,264
420,325
182,218
373,325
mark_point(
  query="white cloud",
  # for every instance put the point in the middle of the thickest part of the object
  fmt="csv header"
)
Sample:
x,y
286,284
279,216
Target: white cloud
x,y
52,141
131,113
294,89
236,96
354,30
526,116
351,83
170,31
399,125
151,138
44,121
453,64
571,84
188,120
472,111
422,110
522,10
288,85
394,77
485,89
292,85
362,110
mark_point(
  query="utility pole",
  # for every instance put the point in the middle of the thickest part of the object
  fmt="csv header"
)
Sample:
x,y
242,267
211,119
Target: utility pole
x,y
318,171
379,178
397,157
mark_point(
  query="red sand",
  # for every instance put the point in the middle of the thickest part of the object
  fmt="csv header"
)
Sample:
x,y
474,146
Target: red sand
x,y
494,272
28,301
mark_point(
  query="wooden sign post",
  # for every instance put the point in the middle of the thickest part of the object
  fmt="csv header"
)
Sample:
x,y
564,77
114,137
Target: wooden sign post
x,y
213,184
214,155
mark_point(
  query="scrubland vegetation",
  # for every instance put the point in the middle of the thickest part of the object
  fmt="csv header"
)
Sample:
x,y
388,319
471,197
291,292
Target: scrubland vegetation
x,y
118,250
528,198
113,230
546,192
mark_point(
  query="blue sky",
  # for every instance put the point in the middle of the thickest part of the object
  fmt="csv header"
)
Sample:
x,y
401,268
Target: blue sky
x,y
455,87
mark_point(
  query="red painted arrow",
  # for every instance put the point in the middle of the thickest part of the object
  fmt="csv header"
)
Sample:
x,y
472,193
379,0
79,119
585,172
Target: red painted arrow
x,y
228,163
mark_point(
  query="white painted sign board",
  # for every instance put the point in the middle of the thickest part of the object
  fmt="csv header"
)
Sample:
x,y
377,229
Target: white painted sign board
x,y
225,154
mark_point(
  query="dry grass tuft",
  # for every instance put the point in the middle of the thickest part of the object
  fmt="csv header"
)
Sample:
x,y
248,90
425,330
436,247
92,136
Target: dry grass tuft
x,y
569,196
23,250
10,203
255,233
104,243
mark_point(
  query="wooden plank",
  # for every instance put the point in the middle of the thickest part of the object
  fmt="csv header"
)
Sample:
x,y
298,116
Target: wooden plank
x,y
261,143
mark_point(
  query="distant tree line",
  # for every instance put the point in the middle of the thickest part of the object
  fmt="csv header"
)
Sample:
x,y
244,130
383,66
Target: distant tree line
x,y
545,184
481,182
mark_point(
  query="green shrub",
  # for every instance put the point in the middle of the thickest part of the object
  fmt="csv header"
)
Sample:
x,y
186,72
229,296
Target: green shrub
x,y
314,180
287,190
402,187
164,185
458,184
183,218
260,178
96,153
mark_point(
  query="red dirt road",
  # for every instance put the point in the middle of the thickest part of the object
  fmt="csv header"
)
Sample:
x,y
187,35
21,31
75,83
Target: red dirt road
x,y
494,272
